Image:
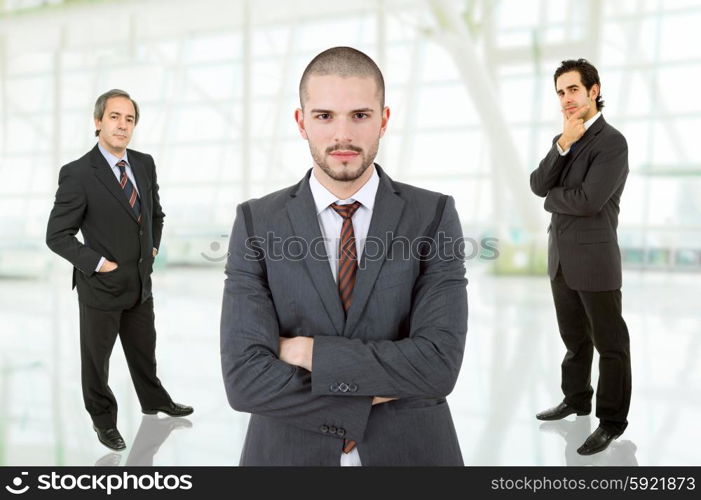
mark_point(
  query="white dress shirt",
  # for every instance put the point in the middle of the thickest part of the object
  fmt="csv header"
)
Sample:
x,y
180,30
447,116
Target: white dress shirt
x,y
587,124
112,162
330,224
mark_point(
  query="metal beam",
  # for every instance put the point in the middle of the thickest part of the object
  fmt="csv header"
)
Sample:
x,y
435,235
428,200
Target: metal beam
x,y
508,168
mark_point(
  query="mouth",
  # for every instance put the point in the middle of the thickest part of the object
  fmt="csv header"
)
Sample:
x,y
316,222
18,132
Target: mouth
x,y
344,154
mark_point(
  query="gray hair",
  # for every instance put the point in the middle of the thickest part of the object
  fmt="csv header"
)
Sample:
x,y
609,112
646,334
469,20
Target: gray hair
x,y
344,62
101,102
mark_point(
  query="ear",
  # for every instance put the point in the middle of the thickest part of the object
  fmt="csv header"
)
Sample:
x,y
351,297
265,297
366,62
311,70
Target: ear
x,y
385,120
594,92
299,118
98,124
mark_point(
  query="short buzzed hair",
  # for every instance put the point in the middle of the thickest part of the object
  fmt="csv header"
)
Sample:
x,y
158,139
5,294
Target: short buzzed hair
x,y
345,62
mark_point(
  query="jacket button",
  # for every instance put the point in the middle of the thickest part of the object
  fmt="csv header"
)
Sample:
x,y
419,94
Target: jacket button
x,y
343,387
353,387
324,429
141,232
141,260
334,387
332,430
341,432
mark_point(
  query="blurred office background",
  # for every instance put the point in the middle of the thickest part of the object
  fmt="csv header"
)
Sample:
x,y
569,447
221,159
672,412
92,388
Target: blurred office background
x,y
469,83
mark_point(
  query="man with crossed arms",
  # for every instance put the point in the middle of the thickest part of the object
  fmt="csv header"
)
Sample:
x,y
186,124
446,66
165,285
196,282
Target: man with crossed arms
x,y
346,351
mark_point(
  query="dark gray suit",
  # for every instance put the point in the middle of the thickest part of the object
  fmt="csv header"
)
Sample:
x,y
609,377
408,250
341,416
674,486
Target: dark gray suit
x,y
404,336
583,190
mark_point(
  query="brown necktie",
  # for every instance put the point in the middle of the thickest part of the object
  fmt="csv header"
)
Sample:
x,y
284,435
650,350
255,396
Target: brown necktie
x,y
347,254
347,269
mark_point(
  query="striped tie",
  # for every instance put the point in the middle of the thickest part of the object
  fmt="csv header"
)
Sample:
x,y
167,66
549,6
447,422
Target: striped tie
x,y
347,254
347,269
129,191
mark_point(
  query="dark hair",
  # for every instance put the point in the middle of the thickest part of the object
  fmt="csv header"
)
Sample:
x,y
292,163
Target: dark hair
x,y
345,62
587,72
101,103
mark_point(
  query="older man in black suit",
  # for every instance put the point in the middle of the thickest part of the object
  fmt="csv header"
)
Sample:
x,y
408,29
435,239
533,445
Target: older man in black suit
x,y
582,178
111,195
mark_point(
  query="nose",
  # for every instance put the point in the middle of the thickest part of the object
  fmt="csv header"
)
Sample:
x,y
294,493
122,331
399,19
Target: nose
x,y
342,132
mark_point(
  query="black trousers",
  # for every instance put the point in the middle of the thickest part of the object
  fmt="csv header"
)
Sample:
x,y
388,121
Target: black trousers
x,y
98,332
589,320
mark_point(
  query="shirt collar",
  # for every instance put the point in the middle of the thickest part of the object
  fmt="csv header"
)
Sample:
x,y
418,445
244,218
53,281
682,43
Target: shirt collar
x,y
111,159
591,120
365,195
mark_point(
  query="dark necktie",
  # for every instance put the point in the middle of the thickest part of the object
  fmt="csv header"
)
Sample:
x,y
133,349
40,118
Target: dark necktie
x,y
347,254
347,269
129,190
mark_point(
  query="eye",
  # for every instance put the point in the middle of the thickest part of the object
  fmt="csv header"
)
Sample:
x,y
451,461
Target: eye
x,y
360,115
323,116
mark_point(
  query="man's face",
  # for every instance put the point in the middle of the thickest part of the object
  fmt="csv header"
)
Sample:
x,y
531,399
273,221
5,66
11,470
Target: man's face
x,y
573,94
117,124
343,121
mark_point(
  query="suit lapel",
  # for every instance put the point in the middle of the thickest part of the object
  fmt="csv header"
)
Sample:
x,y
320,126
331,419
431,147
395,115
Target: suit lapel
x,y
104,174
385,217
588,136
305,224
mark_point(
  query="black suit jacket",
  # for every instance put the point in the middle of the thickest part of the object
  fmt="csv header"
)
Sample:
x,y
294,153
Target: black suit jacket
x,y
583,190
90,199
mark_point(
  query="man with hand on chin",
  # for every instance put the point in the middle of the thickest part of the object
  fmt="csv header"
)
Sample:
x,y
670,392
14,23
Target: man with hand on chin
x,y
343,344
110,195
582,178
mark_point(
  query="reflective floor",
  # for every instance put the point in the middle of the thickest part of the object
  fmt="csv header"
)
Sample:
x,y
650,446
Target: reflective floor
x,y
510,372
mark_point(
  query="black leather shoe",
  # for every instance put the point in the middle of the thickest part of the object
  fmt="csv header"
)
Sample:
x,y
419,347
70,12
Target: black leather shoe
x,y
558,412
173,409
597,441
110,438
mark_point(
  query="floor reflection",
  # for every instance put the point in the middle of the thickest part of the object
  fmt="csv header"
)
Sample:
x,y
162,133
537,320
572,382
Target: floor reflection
x,y
511,370
620,452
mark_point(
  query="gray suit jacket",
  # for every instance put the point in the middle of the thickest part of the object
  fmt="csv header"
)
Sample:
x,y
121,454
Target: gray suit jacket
x,y
404,336
583,190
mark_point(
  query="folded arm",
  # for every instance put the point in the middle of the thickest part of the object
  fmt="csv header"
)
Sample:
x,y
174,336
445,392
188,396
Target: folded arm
x,y
256,380
427,362
607,171
548,172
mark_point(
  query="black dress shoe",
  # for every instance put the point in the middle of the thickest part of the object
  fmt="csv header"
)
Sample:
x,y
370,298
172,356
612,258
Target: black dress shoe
x,y
110,438
172,409
558,412
597,441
